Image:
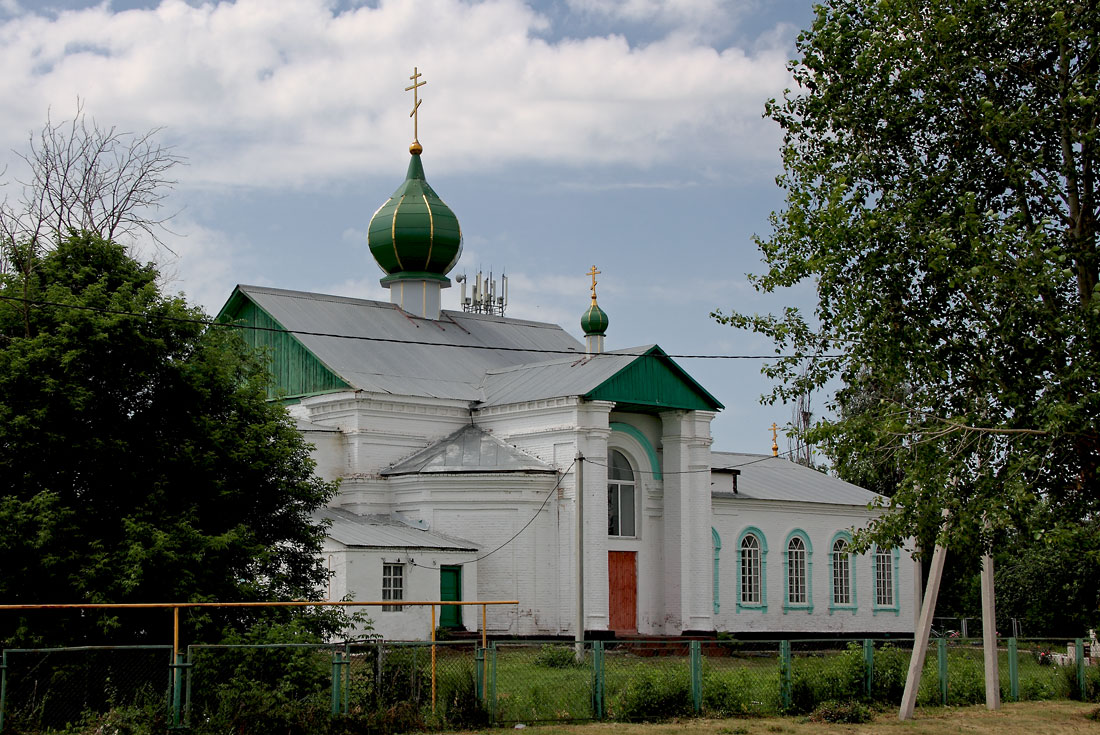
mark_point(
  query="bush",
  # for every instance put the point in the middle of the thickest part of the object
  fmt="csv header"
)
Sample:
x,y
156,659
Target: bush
x,y
727,694
891,669
654,696
850,712
553,656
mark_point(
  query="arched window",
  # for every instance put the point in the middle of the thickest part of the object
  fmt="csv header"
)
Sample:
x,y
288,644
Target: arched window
x,y
620,495
751,577
842,573
885,565
796,572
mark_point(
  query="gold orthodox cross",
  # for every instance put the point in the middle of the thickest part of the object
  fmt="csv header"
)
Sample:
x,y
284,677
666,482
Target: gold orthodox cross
x,y
594,273
775,440
414,87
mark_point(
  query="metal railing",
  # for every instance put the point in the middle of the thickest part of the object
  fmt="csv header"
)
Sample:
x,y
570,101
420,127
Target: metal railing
x,y
218,688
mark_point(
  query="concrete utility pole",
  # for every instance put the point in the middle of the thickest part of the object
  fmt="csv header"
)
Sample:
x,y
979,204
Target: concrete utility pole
x,y
989,636
579,543
924,629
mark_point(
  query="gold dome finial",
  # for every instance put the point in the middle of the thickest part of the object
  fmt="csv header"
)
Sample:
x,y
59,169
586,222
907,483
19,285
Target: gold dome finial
x,y
775,442
415,148
594,273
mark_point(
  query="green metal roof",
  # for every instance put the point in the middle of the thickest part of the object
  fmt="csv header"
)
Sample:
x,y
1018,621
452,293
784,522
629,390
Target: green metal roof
x,y
654,381
296,370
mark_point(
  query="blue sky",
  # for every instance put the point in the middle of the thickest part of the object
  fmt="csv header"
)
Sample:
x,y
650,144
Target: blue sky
x,y
565,133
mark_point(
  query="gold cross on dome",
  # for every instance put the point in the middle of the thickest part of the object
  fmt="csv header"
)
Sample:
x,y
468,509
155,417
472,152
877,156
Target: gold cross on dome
x,y
414,88
775,438
594,273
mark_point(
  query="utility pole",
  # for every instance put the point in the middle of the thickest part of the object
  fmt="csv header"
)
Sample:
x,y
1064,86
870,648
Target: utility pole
x,y
578,533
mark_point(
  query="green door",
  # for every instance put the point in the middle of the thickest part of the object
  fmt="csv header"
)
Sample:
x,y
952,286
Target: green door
x,y
450,588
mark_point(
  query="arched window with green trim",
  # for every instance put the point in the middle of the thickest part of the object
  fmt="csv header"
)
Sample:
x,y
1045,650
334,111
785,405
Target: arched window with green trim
x,y
842,580
798,568
885,564
716,542
752,570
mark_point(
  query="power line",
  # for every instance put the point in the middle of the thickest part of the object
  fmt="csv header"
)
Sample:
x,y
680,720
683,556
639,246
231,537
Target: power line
x,y
336,335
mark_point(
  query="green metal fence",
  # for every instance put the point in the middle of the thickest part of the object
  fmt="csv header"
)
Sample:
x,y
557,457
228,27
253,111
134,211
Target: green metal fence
x,y
405,685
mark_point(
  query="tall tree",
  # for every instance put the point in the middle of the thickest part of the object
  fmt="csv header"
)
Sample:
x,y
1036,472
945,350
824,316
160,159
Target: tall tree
x,y
940,168
81,177
139,456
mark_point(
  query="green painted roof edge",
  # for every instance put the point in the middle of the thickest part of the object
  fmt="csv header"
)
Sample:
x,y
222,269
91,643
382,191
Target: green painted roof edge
x,y
658,352
239,296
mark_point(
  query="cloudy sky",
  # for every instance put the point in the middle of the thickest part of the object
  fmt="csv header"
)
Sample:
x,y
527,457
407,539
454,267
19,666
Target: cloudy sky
x,y
564,133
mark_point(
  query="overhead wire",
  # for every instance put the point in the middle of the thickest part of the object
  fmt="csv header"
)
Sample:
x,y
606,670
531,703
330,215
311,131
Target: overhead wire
x,y
394,340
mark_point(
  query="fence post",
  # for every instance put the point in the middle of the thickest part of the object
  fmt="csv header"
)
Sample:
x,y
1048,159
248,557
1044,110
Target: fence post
x,y
177,687
335,699
347,677
697,676
187,689
1013,671
479,672
3,686
868,666
785,674
597,680
941,659
1079,654
493,683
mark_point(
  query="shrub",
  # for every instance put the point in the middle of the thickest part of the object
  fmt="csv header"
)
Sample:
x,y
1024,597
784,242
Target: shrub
x,y
654,696
850,712
727,694
553,656
888,679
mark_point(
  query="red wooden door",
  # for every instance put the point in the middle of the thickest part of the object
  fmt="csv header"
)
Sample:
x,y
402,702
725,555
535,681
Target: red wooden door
x,y
622,573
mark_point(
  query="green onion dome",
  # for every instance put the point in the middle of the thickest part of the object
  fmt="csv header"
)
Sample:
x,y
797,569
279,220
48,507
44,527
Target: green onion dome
x,y
594,322
414,234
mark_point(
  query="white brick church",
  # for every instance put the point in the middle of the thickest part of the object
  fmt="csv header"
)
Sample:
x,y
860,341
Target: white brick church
x,y
455,435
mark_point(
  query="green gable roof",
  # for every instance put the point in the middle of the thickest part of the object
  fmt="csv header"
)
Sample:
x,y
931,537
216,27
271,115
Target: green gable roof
x,y
297,371
654,381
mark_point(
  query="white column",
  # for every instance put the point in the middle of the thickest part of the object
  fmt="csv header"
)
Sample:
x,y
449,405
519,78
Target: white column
x,y
689,581
593,428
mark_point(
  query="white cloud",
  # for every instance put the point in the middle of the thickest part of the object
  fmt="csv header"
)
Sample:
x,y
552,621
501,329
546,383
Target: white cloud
x,y
278,92
204,263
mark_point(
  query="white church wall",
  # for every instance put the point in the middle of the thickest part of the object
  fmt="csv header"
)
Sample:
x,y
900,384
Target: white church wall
x,y
329,452
821,524
380,431
489,509
357,575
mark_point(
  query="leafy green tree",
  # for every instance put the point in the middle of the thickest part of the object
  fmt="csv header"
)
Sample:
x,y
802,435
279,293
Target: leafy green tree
x,y
940,169
139,458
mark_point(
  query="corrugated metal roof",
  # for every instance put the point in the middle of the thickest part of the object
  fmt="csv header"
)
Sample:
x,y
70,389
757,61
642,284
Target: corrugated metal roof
x,y
419,357
470,449
383,532
764,477
567,376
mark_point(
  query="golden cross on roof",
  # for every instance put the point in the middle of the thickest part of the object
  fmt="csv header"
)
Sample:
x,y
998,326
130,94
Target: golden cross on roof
x,y
414,88
775,438
594,273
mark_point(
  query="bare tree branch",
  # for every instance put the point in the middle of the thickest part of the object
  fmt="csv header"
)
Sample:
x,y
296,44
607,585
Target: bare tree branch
x,y
85,177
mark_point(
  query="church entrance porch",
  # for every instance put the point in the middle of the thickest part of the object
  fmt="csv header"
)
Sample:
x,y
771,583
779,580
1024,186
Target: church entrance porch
x,y
622,574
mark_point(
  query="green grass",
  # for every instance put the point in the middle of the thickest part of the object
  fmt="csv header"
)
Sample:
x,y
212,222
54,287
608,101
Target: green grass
x,y
747,683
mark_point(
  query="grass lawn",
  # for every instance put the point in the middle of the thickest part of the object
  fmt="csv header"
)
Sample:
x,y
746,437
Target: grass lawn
x,y
1023,718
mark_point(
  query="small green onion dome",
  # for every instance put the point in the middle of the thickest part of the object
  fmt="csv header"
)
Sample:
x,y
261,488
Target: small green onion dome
x,y
594,322
414,234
